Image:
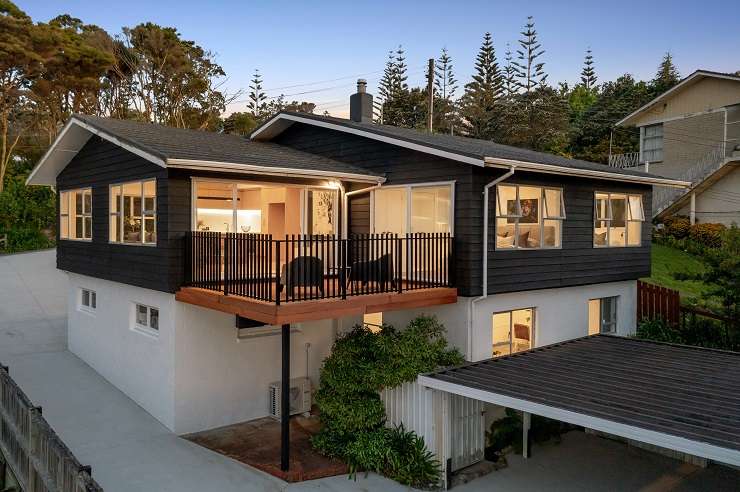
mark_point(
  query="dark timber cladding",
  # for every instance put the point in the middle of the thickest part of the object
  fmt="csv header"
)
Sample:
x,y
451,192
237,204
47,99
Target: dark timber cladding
x,y
576,263
682,391
98,165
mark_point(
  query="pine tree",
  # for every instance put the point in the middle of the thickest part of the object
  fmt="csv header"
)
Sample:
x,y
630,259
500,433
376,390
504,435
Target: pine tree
x,y
588,74
399,72
511,85
395,107
667,75
483,92
385,87
257,104
530,72
444,77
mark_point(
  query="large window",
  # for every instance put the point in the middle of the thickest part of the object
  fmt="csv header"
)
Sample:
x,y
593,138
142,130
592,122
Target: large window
x,y
618,220
602,315
133,212
529,217
513,331
413,209
75,214
652,143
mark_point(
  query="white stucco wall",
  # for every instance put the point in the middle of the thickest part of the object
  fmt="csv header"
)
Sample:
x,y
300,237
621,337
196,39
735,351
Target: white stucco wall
x,y
720,202
139,364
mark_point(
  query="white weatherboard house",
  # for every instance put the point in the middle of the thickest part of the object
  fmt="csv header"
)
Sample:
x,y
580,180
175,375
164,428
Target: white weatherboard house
x,y
205,267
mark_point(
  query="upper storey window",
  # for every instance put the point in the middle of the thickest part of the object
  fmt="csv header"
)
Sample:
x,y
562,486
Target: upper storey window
x,y
529,217
618,220
652,143
133,212
75,214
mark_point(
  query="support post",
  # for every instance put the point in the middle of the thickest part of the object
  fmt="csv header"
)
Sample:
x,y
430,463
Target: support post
x,y
285,402
526,443
692,210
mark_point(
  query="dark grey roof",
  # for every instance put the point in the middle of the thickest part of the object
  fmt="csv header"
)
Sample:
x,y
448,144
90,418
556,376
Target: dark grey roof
x,y
472,147
177,143
688,392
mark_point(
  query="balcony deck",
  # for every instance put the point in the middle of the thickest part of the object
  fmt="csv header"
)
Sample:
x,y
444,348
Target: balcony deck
x,y
320,277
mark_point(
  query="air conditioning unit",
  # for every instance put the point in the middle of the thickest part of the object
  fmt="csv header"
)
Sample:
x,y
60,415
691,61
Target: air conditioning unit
x,y
300,397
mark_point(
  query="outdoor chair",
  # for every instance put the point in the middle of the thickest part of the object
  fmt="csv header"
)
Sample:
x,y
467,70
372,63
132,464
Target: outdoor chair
x,y
303,271
379,270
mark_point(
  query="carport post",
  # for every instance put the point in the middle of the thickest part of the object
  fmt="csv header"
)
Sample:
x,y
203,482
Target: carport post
x,y
526,443
285,402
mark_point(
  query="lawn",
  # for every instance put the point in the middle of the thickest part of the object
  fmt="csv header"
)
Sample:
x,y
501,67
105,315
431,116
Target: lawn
x,y
666,261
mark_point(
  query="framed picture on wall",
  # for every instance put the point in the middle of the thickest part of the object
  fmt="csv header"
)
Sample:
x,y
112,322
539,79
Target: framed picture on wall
x,y
530,211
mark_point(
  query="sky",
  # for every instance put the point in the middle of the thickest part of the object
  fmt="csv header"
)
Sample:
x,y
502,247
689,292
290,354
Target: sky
x,y
324,46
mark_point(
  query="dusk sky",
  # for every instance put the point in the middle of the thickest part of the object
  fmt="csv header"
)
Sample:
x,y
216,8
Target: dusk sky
x,y
300,43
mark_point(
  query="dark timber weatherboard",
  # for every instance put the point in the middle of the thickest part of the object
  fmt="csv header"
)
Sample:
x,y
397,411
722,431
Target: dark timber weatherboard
x,y
683,391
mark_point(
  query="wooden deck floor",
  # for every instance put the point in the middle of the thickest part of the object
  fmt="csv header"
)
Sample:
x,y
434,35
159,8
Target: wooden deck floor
x,y
316,309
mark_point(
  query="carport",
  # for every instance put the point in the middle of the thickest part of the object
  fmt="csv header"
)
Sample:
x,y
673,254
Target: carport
x,y
685,399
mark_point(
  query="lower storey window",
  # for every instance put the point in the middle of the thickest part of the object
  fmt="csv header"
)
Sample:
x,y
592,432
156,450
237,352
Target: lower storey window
x,y
147,317
88,300
513,331
602,315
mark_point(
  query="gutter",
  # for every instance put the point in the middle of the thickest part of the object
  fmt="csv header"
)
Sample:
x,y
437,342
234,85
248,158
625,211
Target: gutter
x,y
484,295
551,169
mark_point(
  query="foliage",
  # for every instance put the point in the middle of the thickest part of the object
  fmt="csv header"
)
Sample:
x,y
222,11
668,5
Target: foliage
x,y
667,75
677,226
695,330
659,331
445,86
507,432
361,364
666,261
588,74
480,103
709,235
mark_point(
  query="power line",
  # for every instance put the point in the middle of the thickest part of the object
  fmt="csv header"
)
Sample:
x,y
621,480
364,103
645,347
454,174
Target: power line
x,y
322,81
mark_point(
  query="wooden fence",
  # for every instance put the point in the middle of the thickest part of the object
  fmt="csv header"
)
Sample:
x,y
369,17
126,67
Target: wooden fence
x,y
39,459
655,302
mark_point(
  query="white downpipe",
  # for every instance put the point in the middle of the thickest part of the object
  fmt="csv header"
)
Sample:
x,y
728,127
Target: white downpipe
x,y
504,176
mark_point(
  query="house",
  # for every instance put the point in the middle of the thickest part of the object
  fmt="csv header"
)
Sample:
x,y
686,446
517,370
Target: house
x,y
692,133
204,267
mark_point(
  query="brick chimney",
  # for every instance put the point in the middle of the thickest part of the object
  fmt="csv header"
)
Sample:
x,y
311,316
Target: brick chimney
x,y
361,104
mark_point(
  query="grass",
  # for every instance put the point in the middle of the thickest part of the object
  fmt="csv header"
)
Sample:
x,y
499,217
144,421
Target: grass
x,y
666,261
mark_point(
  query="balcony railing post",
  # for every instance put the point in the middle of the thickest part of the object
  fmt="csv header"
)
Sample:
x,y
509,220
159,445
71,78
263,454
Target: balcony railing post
x,y
344,259
277,271
399,263
227,262
451,269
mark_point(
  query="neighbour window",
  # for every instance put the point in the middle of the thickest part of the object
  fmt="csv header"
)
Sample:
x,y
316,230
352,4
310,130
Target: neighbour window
x,y
602,315
652,143
618,220
146,317
75,214
133,215
88,300
513,331
373,321
529,217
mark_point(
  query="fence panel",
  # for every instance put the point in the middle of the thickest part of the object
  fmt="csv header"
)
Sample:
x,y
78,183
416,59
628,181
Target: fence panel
x,y
654,301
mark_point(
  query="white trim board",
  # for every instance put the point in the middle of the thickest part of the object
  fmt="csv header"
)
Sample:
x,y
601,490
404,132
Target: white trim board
x,y
676,443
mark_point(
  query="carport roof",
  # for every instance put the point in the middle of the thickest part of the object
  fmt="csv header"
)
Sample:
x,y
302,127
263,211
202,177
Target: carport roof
x,y
674,396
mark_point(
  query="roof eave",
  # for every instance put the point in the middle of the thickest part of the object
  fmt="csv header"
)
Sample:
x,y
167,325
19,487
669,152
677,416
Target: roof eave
x,y
587,173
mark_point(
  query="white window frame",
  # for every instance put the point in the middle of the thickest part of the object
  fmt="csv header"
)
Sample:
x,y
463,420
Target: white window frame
x,y
147,328
511,327
518,215
644,138
409,212
628,218
602,322
92,303
144,213
69,195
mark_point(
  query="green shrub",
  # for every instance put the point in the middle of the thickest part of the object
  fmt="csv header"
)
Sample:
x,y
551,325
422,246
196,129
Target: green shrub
x,y
677,226
508,432
709,235
659,331
352,415
25,239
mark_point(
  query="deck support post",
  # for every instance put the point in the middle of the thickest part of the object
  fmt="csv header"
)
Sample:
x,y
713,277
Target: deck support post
x,y
285,401
526,443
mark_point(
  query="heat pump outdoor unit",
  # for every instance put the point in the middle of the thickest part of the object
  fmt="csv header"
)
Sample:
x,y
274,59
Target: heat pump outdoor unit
x,y
300,397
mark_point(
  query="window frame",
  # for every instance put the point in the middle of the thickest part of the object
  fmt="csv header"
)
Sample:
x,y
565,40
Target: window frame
x,y
645,137
614,322
146,329
532,342
518,214
92,304
408,212
608,219
145,213
70,194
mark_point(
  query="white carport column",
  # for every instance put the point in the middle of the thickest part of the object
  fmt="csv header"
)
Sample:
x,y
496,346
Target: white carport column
x,y
692,209
526,444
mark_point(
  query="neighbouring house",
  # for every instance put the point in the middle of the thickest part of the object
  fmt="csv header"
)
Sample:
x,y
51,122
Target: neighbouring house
x,y
210,273
692,133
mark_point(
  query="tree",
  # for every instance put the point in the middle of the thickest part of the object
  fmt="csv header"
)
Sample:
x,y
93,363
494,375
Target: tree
x,y
588,74
510,83
397,102
257,104
479,108
530,71
666,77
239,123
445,86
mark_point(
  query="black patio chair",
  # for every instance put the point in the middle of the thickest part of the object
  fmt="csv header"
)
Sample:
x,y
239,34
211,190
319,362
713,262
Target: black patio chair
x,y
303,271
379,270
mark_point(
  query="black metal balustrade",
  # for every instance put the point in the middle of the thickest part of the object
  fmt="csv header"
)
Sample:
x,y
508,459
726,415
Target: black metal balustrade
x,y
302,267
